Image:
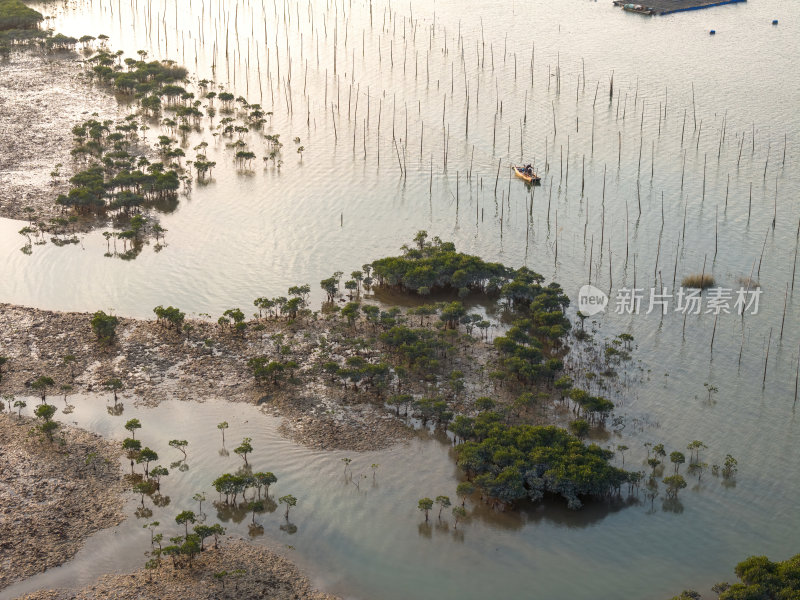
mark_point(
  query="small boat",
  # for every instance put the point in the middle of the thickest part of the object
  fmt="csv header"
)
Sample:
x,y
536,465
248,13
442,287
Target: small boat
x,y
529,178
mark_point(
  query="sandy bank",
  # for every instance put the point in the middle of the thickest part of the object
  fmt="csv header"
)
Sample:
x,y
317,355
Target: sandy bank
x,y
156,363
253,572
53,495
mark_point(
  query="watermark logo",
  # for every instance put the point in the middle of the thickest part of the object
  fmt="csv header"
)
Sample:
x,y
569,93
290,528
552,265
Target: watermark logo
x,y
591,300
688,301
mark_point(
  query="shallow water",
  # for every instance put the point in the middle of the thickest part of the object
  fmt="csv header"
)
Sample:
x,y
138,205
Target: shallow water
x,y
371,541
244,236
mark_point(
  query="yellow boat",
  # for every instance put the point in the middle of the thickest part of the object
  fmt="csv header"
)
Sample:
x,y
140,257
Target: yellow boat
x,y
520,172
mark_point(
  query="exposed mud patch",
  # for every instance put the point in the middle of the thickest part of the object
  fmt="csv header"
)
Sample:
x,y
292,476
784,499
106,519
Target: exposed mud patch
x,y
155,363
253,572
42,97
53,495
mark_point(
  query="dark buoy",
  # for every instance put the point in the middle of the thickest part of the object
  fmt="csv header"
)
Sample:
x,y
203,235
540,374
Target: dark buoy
x,y
712,32
774,21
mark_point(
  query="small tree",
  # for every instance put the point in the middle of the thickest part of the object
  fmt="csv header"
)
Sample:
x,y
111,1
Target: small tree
x,y
688,595
152,527
179,445
19,405
244,448
398,400
113,385
142,488
66,389
456,382
289,501
697,468
425,505
256,506
674,484
45,412
170,315
222,427
157,473
459,512
730,467
330,287
582,317
184,518
132,448
104,327
651,491
220,576
146,456
621,449
199,497
648,445
217,531
174,549
350,312
202,532
41,384
264,480
464,489
132,425
443,502
694,448
191,546
677,459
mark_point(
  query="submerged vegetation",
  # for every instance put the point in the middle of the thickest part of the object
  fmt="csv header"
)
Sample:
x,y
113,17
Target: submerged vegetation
x,y
505,462
116,173
183,548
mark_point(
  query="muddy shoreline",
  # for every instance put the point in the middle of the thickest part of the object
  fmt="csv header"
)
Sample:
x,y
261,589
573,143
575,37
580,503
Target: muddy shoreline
x,y
253,572
156,363
46,516
53,495
42,96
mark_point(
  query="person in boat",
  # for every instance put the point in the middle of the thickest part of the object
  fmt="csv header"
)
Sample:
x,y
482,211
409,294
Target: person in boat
x,y
528,170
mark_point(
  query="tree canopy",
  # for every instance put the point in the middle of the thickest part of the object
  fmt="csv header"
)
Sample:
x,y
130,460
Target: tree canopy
x,y
512,462
762,578
436,265
15,15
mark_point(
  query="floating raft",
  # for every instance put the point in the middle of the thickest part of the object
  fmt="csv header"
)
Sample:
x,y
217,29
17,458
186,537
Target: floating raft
x,y
666,7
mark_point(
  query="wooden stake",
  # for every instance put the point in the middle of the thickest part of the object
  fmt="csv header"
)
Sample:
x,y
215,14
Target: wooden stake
x,y
794,263
766,359
785,300
714,332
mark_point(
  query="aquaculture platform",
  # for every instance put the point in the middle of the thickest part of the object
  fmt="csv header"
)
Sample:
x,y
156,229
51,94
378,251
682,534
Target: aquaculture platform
x,y
665,7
